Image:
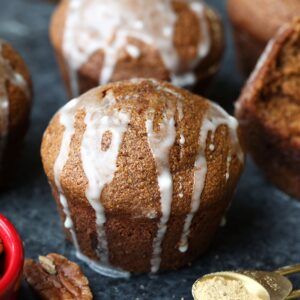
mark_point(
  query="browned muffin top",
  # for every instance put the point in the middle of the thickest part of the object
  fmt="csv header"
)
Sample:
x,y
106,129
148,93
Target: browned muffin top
x,y
145,148
171,36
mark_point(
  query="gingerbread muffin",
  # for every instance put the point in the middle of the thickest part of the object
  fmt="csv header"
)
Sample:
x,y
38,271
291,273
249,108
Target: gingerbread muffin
x,y
15,105
97,42
142,173
269,110
255,22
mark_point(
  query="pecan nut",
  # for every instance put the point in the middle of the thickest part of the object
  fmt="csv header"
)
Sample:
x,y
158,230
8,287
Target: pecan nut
x,y
55,277
47,264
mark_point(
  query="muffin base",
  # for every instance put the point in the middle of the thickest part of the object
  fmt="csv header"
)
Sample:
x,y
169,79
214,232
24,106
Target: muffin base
x,y
138,235
279,161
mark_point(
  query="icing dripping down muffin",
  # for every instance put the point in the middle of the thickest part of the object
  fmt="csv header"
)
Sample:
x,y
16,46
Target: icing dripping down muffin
x,y
137,184
102,41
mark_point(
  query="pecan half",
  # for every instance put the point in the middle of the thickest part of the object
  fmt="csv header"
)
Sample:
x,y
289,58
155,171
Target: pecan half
x,y
55,277
47,264
1,247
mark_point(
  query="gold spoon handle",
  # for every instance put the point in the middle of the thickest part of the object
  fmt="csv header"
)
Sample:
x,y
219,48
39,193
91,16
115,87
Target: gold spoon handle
x,y
294,295
289,270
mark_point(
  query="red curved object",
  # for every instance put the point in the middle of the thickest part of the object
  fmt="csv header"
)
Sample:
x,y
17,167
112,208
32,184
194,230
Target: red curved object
x,y
13,257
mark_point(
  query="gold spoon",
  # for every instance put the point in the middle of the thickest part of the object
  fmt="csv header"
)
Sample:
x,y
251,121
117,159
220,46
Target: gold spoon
x,y
256,285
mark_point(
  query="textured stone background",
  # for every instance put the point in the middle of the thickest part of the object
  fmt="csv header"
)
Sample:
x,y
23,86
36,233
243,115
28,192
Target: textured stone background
x,y
262,229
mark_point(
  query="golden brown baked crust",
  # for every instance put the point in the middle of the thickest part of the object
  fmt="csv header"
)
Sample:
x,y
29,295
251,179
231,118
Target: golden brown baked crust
x,y
133,195
19,103
255,22
269,110
149,65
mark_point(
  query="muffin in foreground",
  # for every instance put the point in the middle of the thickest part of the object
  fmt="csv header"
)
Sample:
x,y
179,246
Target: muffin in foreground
x,y
142,173
97,42
269,110
15,105
255,22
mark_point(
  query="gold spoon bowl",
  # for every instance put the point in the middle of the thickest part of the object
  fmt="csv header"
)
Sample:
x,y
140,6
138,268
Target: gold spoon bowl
x,y
247,285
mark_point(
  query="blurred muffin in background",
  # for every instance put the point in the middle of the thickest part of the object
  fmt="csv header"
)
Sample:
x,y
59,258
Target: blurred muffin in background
x,y
99,41
268,110
255,22
15,105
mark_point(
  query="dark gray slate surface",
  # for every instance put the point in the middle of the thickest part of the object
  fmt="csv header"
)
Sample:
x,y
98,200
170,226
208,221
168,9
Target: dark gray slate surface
x,y
262,229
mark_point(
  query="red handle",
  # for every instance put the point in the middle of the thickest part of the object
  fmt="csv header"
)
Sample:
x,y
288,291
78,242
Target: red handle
x,y
13,260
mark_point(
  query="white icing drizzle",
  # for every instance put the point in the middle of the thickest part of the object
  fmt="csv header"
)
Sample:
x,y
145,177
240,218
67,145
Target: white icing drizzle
x,y
66,118
223,118
180,117
100,166
99,119
133,51
228,163
187,79
160,144
73,63
105,270
151,215
205,43
8,74
214,117
180,187
106,25
181,140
